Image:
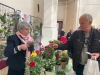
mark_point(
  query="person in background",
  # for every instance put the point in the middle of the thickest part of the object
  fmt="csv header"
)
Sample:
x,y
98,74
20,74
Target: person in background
x,y
63,38
87,39
69,34
17,49
61,33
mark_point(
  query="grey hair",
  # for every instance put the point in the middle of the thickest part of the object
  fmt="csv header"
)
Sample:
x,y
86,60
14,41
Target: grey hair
x,y
89,17
21,25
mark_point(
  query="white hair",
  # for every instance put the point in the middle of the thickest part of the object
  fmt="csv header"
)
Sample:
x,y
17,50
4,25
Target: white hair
x,y
89,17
21,25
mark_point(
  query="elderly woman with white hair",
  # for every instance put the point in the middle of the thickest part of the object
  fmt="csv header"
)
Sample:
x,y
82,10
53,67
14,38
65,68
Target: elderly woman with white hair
x,y
17,49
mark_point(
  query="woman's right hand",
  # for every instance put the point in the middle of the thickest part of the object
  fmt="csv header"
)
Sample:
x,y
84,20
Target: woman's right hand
x,y
23,46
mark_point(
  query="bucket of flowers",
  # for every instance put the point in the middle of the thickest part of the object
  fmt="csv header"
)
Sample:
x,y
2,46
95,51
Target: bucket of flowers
x,y
35,64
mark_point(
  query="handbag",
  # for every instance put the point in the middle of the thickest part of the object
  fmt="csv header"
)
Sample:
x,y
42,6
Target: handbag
x,y
91,68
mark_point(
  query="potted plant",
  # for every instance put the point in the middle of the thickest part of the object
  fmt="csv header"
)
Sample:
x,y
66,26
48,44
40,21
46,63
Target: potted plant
x,y
64,60
58,61
48,57
35,64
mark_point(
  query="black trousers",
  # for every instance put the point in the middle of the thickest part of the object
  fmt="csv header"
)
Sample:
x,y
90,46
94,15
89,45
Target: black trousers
x,y
14,72
79,69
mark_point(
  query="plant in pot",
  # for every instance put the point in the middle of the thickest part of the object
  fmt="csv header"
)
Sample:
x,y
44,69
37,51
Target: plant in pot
x,y
48,57
64,60
58,61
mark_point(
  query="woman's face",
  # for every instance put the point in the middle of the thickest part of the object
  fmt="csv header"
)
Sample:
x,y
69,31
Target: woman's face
x,y
25,31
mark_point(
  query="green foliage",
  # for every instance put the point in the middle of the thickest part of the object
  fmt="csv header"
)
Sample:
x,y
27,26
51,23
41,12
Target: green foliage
x,y
49,64
60,73
58,58
48,53
64,58
57,42
2,51
6,23
37,69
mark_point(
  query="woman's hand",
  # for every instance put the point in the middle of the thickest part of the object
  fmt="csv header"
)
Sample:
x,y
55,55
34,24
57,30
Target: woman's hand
x,y
23,47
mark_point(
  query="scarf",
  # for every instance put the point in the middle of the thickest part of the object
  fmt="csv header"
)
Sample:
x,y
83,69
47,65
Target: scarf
x,y
22,38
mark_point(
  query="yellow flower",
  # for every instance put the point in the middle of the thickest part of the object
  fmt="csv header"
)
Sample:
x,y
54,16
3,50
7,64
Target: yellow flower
x,y
34,54
56,40
65,52
52,48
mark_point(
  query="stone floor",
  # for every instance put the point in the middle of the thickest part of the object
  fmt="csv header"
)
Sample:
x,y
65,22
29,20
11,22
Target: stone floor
x,y
4,71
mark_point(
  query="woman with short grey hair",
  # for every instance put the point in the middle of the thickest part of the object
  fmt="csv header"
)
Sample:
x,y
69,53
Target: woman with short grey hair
x,y
17,49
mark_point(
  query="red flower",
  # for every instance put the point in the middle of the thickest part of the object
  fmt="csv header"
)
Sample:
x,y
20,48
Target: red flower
x,y
37,51
46,46
40,53
32,64
42,48
40,43
57,57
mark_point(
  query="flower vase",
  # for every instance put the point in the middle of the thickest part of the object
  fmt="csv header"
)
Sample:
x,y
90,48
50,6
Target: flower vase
x,y
63,65
58,67
31,48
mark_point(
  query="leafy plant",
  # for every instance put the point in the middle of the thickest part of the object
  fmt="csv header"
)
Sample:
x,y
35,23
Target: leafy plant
x,y
48,53
58,58
6,22
35,64
60,73
49,64
64,58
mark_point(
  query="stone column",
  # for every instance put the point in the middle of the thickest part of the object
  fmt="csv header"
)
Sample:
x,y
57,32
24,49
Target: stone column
x,y
80,11
50,21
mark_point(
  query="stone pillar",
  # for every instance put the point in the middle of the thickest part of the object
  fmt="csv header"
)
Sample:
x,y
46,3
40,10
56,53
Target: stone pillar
x,y
80,11
50,21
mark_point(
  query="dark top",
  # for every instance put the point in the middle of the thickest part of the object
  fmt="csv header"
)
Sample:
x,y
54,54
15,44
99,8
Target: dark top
x,y
15,61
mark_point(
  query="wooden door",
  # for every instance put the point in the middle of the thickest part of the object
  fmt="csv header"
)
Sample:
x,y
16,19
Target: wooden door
x,y
60,26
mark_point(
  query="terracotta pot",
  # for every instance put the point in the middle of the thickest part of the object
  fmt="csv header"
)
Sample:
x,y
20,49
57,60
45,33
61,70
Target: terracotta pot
x,y
64,65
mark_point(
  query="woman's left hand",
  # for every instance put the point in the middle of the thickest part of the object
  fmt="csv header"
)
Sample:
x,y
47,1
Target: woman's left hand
x,y
96,55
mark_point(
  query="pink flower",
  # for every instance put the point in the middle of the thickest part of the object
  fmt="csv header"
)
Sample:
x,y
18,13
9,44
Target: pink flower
x,y
42,48
48,53
40,43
